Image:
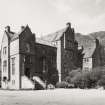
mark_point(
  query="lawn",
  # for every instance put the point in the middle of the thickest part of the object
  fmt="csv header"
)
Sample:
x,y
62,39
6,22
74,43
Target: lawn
x,y
53,97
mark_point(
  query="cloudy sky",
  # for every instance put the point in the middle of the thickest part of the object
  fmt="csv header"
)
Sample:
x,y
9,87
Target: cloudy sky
x,y
47,16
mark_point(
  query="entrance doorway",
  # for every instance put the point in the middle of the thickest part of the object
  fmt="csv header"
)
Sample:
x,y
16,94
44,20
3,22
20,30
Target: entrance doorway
x,y
27,72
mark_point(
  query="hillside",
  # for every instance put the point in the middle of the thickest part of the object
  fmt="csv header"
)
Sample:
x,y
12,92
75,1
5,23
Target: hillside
x,y
88,40
84,40
88,43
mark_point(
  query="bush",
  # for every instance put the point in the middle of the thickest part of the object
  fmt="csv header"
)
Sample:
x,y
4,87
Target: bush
x,y
76,80
68,79
86,79
74,72
101,82
95,75
62,84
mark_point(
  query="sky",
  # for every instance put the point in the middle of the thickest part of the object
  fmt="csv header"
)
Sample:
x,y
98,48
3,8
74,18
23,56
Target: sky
x,y
47,16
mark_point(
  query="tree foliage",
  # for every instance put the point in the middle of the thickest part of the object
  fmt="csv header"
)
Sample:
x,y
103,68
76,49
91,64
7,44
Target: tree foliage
x,y
87,79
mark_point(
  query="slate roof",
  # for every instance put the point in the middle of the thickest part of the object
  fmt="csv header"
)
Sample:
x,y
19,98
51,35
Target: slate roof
x,y
51,38
88,52
13,35
88,43
54,36
44,42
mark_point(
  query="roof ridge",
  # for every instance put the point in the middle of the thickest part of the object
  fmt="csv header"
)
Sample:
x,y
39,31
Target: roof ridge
x,y
54,36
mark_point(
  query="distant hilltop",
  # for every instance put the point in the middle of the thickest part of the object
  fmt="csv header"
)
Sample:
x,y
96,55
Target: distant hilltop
x,y
86,40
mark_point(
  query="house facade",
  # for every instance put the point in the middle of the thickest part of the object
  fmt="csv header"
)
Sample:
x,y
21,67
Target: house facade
x,y
26,59
91,56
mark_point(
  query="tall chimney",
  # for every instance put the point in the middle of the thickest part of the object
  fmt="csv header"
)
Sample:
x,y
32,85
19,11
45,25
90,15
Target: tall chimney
x,y
22,28
7,28
68,24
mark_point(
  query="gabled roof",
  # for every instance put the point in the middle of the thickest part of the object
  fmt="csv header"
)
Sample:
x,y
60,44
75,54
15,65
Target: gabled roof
x,y
51,38
88,43
13,35
9,34
40,41
89,51
54,36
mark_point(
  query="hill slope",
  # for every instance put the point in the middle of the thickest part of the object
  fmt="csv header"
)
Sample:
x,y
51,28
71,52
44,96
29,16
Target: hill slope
x,y
88,40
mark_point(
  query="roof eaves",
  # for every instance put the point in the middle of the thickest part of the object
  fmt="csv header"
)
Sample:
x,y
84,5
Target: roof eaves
x,y
44,42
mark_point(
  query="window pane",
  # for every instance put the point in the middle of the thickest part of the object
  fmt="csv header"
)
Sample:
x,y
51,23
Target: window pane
x,y
13,66
4,50
4,66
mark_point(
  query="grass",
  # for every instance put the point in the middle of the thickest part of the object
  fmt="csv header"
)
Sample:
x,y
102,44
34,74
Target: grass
x,y
53,97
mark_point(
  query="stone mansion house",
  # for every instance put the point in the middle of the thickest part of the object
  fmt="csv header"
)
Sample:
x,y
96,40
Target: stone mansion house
x,y
26,59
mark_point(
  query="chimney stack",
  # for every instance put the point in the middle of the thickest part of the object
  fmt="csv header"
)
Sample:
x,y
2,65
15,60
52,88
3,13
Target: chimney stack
x,y
22,28
73,30
7,29
68,25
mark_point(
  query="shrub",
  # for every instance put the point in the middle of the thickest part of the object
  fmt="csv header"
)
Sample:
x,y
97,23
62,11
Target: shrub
x,y
68,79
74,73
62,84
76,80
81,80
101,82
95,75
87,79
